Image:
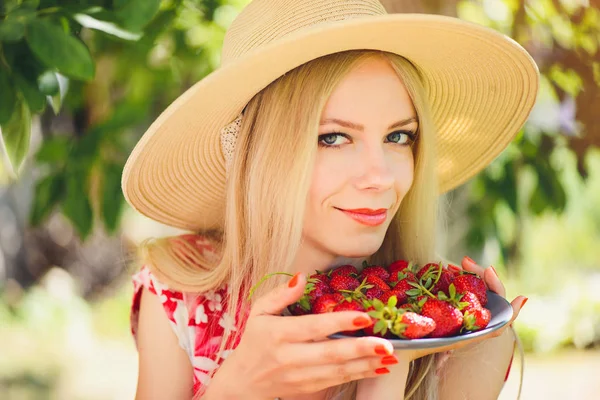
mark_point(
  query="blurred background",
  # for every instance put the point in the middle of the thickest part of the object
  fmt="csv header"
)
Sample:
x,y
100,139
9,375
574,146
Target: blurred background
x,y
81,80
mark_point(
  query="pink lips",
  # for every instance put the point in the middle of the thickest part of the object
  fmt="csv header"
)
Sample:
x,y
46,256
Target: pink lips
x,y
367,216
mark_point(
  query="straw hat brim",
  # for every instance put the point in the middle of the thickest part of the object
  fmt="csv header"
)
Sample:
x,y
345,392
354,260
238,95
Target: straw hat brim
x,y
481,86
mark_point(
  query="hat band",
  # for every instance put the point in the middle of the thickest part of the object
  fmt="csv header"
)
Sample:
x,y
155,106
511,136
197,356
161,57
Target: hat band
x,y
229,136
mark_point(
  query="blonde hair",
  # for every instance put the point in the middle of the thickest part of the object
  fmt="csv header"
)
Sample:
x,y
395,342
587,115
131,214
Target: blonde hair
x,y
267,187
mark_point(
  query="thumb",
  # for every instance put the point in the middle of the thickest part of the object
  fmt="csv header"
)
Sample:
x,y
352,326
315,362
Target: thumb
x,y
275,301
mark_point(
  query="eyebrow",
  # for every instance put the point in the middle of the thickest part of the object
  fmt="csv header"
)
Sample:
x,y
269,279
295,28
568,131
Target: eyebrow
x,y
359,127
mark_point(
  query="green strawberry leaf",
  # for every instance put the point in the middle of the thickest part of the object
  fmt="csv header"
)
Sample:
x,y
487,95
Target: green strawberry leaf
x,y
392,301
428,283
452,290
414,284
378,304
413,292
380,326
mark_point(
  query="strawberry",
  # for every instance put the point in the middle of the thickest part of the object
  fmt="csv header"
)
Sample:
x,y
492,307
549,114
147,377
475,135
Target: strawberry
x,y
410,325
401,296
448,319
471,302
374,293
297,309
435,278
399,266
409,275
442,285
477,319
375,270
411,307
470,282
327,303
377,282
427,268
345,270
317,286
351,305
343,282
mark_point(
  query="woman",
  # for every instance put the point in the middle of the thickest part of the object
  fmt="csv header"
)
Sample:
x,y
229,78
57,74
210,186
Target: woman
x,y
305,151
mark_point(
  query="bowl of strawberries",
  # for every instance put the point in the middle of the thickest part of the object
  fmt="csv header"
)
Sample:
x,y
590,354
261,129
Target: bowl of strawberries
x,y
413,306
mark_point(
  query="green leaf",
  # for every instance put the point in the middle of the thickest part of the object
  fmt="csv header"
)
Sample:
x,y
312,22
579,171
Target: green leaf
x,y
7,6
16,134
135,14
35,99
106,27
380,326
392,301
378,304
413,292
76,206
452,290
48,193
8,97
48,83
11,30
54,150
60,50
112,198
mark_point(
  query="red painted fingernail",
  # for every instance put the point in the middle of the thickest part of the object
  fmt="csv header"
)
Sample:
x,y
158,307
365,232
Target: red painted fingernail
x,y
454,268
470,259
380,371
362,322
524,301
389,360
381,350
294,281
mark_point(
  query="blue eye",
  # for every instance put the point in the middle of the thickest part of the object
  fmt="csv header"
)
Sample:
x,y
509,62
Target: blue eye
x,y
401,137
332,139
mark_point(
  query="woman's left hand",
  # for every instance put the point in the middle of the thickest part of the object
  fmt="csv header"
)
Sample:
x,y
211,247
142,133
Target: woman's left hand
x,y
387,385
491,279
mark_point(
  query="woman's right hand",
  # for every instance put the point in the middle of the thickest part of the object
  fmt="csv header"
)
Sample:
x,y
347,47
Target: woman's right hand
x,y
283,356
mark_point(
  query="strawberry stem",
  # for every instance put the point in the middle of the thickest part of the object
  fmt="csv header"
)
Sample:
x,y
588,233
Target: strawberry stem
x,y
264,278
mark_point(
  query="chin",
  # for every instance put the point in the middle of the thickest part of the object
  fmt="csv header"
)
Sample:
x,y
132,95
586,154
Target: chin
x,y
359,246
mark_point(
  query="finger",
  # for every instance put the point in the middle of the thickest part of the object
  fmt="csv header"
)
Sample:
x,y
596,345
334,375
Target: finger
x,y
517,305
336,374
312,327
493,281
333,351
471,266
275,301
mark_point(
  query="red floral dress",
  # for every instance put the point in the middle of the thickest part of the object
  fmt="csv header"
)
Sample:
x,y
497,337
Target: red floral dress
x,y
198,321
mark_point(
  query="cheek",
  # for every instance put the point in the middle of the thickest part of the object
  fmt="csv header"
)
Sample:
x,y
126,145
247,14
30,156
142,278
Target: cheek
x,y
404,173
327,179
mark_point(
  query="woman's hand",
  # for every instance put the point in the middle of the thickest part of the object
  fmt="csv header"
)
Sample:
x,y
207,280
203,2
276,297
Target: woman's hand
x,y
491,279
290,356
389,385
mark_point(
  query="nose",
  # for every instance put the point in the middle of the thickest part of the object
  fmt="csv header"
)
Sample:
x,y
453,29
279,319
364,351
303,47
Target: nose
x,y
375,172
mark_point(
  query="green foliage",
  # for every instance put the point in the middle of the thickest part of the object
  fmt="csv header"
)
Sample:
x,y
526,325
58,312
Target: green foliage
x,y
523,182
108,67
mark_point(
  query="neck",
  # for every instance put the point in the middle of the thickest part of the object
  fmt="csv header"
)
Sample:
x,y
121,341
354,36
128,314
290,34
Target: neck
x,y
311,257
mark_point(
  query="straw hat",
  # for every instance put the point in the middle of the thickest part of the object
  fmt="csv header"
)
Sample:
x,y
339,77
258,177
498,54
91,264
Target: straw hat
x,y
481,86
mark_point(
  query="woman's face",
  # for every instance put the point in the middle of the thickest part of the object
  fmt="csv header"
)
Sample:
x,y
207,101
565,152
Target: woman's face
x,y
364,164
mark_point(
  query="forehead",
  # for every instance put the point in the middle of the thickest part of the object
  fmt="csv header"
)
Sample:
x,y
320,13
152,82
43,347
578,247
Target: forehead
x,y
371,91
